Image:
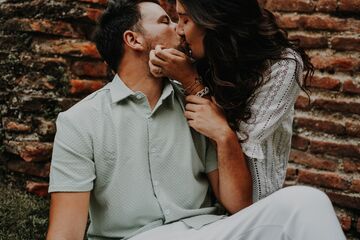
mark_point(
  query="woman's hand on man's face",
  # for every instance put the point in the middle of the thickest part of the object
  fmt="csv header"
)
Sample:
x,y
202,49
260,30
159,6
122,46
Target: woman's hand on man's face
x,y
171,63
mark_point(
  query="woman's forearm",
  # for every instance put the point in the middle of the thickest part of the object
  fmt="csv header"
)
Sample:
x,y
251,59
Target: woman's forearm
x,y
235,182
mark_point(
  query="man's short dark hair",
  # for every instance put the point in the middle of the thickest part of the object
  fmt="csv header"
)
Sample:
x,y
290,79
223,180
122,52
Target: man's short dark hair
x,y
119,16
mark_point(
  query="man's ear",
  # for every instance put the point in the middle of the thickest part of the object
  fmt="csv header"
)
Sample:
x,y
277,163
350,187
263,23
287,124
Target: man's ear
x,y
134,40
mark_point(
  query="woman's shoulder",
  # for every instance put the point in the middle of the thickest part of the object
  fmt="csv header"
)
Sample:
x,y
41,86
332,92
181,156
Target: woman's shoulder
x,y
289,61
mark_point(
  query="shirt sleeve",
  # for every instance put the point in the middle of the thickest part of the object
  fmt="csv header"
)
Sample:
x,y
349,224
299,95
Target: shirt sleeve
x,y
273,102
72,166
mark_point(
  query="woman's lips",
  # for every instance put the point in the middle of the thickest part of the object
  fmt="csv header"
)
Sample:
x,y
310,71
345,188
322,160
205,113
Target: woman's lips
x,y
185,47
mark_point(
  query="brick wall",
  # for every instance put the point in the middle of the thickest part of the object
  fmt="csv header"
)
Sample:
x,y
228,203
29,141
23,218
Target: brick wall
x,y
47,63
326,142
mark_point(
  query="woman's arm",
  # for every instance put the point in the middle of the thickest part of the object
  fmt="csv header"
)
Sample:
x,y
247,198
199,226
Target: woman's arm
x,y
232,181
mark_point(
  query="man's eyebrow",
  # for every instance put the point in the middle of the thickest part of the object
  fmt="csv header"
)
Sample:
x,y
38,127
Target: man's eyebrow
x,y
182,14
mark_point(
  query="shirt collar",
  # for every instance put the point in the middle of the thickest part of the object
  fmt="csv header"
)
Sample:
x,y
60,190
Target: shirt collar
x,y
119,91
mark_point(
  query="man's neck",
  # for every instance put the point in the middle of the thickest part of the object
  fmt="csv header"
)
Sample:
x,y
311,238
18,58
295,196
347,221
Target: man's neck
x,y
136,76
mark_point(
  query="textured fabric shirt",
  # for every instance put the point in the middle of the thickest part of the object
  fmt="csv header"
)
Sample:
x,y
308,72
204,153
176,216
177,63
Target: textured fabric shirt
x,y
269,130
144,167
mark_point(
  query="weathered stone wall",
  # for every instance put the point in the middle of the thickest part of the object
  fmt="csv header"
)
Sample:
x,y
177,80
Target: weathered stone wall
x,y
47,63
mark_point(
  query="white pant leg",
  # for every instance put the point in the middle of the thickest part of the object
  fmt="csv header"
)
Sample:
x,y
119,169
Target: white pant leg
x,y
293,213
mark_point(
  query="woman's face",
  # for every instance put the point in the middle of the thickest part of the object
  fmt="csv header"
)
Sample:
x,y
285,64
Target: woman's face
x,y
191,33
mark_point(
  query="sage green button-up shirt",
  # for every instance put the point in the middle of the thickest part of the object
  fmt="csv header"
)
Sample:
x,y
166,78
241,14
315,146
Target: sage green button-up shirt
x,y
144,167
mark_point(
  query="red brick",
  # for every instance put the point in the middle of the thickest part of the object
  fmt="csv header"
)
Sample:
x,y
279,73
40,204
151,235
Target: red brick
x,y
345,200
355,185
70,47
345,221
312,161
308,41
335,148
14,126
302,102
328,83
322,125
326,5
336,62
299,142
338,105
90,69
325,22
38,188
93,14
30,151
351,87
288,21
30,168
351,166
291,174
290,5
323,179
85,86
352,129
43,26
348,43
349,5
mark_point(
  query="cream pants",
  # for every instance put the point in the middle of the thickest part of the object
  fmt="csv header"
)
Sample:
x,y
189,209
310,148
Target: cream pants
x,y
292,213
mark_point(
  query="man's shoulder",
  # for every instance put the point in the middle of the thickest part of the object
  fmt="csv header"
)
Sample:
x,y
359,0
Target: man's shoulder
x,y
88,107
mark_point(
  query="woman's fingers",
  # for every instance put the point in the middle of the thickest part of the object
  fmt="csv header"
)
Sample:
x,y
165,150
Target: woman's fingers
x,y
189,115
192,107
156,71
156,60
169,54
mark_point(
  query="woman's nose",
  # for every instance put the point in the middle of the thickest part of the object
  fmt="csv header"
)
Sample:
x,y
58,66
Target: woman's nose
x,y
179,30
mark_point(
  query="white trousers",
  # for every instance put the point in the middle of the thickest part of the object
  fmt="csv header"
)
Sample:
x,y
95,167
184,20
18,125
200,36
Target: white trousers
x,y
292,213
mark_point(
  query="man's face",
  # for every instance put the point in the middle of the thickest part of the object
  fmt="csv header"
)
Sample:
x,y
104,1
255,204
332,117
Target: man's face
x,y
158,27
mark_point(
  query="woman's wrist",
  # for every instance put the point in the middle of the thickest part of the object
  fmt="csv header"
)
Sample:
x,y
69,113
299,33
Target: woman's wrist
x,y
225,136
192,83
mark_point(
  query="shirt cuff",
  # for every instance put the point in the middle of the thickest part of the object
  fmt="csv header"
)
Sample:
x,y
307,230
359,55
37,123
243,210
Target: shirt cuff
x,y
253,150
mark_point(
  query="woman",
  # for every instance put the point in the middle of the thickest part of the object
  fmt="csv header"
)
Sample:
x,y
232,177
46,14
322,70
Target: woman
x,y
249,76
251,70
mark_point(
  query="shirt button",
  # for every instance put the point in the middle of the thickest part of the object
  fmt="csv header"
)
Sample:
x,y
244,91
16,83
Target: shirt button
x,y
167,212
156,183
153,150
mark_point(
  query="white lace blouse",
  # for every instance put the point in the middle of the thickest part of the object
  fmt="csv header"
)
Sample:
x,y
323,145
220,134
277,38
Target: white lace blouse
x,y
269,130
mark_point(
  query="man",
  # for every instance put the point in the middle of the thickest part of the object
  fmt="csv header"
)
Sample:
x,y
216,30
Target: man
x,y
127,154
126,150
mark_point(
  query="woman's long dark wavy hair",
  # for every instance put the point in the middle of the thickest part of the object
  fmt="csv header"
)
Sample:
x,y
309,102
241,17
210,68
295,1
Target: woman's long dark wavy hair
x,y
240,37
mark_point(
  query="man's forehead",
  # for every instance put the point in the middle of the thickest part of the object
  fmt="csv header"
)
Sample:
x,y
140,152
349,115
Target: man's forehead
x,y
151,11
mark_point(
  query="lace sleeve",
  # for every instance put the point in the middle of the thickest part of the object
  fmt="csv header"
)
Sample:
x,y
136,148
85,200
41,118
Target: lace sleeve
x,y
272,103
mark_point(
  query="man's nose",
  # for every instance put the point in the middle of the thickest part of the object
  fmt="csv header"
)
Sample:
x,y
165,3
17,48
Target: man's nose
x,y
174,25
